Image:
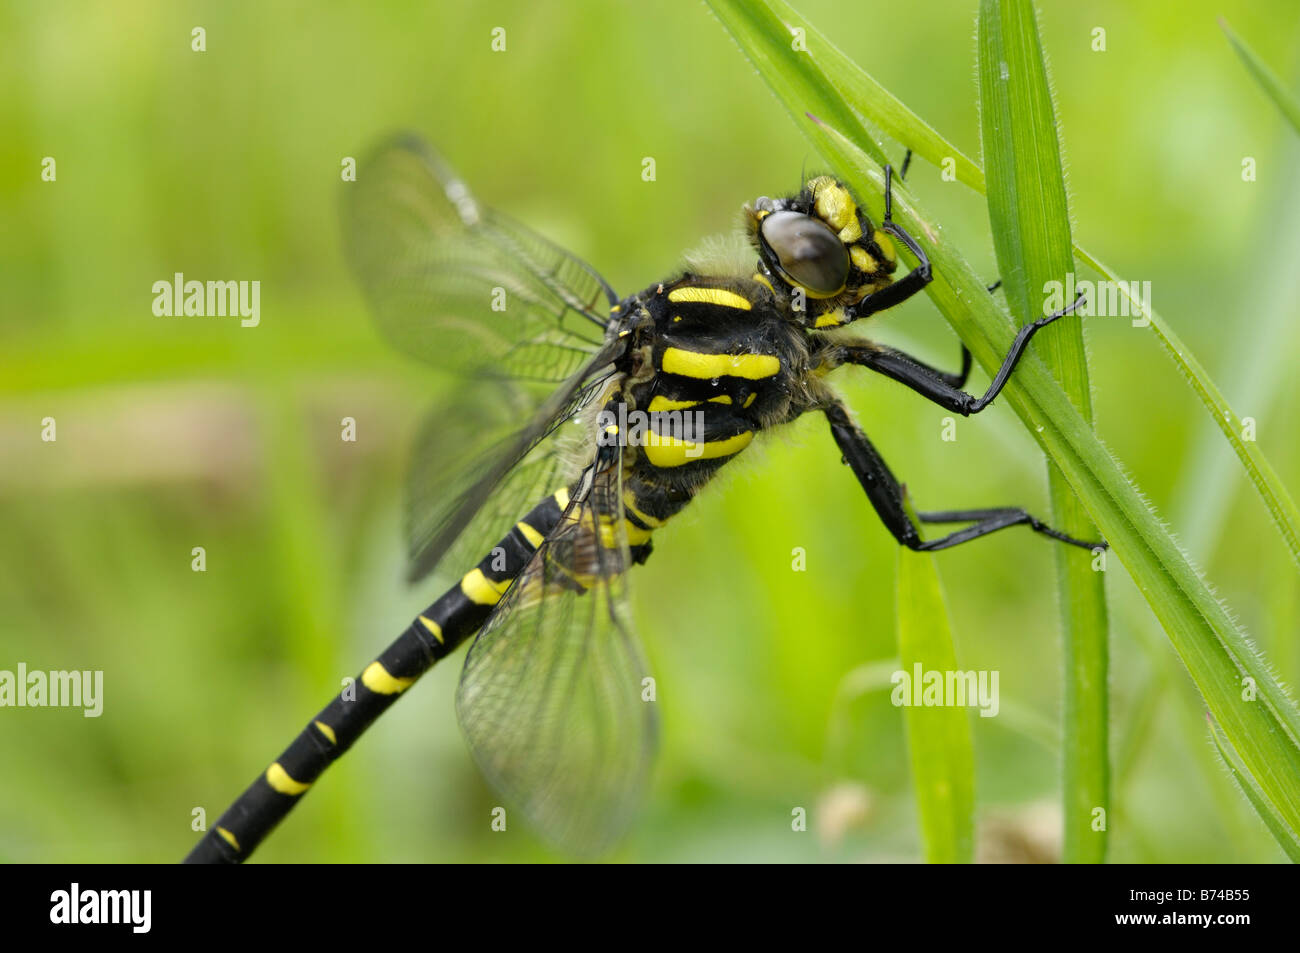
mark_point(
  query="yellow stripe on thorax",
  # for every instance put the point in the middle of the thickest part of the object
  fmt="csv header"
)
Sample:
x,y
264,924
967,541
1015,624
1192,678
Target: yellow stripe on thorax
x,y
327,731
280,781
661,404
863,260
378,680
629,503
886,245
718,296
670,452
833,203
710,366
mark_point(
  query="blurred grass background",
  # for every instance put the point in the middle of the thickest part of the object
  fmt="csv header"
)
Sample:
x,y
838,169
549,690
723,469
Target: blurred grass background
x,y
176,433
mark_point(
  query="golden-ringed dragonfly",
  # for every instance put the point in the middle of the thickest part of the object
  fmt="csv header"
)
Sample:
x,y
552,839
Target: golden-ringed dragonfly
x,y
581,423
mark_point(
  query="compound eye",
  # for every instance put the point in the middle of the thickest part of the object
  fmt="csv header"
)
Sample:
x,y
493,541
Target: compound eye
x,y
808,252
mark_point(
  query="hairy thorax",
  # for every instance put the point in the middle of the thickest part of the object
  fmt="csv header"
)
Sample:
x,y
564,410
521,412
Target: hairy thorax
x,y
716,362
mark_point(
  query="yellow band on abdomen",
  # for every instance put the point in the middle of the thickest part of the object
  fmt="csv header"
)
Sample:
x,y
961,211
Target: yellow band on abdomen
x,y
434,628
482,590
280,781
378,680
229,838
534,538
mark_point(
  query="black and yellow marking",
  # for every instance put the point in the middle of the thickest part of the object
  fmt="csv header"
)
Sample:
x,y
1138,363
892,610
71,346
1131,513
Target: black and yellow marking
x,y
832,319
718,297
738,354
452,618
662,404
706,366
633,512
718,351
837,273
673,452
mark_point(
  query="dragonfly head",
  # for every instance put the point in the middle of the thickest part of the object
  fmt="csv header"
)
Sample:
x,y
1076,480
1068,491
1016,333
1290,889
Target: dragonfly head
x,y
820,245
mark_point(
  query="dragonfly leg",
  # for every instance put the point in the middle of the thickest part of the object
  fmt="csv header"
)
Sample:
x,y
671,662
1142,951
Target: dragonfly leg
x,y
902,175
886,495
936,386
899,291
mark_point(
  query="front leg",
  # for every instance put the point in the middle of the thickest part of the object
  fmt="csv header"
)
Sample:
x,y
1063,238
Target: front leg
x,y
886,496
943,389
899,291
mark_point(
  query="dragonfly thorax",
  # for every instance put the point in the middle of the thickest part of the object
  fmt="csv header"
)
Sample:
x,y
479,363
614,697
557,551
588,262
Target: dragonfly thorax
x,y
723,364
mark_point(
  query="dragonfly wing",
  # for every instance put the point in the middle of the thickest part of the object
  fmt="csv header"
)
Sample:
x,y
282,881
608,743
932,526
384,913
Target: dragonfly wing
x,y
509,472
461,286
509,313
550,698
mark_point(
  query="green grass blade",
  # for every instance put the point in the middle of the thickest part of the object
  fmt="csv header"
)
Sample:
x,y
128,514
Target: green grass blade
x,y
774,59
1258,717
1262,476
1030,217
1282,98
938,737
1026,188
870,99
1285,837
864,95
1260,720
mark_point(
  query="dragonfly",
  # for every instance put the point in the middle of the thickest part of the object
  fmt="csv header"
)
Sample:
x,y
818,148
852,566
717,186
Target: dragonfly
x,y
579,424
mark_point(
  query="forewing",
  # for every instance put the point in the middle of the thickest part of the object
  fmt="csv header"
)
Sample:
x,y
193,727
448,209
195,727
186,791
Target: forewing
x,y
462,463
463,287
483,297
550,695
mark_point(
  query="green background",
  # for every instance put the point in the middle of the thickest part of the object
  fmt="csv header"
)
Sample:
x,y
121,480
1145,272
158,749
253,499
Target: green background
x,y
184,432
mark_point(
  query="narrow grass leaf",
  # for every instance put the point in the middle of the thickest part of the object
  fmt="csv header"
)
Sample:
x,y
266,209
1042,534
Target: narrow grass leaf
x,y
774,49
1030,217
1285,837
1262,476
869,99
938,736
1257,716
1281,96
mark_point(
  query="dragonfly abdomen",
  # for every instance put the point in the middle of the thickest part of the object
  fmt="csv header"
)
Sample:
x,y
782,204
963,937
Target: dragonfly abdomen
x,y
452,618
